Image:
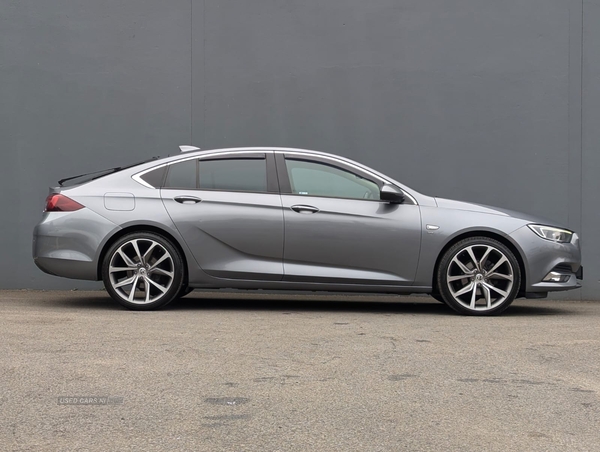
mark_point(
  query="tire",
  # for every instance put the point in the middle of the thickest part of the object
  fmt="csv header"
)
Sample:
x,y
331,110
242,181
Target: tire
x,y
148,263
491,277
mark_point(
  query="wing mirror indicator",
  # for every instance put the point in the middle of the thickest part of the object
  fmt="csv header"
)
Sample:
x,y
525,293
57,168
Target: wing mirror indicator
x,y
391,194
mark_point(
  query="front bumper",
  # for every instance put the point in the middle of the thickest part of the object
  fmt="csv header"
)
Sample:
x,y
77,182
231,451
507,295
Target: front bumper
x,y
68,244
543,256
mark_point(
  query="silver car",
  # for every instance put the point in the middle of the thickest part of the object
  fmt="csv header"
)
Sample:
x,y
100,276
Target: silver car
x,y
280,218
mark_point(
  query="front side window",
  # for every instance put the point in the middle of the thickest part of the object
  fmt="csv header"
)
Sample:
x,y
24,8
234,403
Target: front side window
x,y
239,174
319,179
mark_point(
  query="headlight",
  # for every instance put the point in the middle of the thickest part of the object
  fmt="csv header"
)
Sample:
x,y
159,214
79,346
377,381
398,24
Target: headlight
x,y
552,234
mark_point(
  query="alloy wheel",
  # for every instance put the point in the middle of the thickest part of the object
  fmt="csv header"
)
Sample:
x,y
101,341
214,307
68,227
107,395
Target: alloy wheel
x,y
480,277
141,271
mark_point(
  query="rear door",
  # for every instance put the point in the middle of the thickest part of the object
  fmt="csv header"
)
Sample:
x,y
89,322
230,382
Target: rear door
x,y
337,230
228,210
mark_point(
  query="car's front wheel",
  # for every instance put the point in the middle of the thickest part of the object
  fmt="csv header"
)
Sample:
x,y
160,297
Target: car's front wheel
x,y
143,271
478,276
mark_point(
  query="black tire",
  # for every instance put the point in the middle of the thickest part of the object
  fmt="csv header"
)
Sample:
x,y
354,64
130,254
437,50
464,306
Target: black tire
x,y
489,283
157,271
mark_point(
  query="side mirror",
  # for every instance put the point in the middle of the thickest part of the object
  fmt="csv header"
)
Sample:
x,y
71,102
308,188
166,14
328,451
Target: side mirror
x,y
391,194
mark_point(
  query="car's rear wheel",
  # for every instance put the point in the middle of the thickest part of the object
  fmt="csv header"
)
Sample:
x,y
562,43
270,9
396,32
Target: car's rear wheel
x,y
143,271
479,276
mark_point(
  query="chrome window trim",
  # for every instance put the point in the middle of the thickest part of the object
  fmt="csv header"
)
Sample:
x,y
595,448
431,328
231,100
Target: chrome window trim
x,y
137,176
139,180
290,151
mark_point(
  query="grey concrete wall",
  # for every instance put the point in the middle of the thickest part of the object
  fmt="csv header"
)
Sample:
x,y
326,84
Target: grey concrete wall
x,y
84,85
487,101
590,158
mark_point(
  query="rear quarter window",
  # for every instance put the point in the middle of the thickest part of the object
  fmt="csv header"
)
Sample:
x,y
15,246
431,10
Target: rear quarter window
x,y
155,177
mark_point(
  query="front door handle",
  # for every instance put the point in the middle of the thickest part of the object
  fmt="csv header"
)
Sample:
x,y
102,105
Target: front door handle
x,y
187,199
302,208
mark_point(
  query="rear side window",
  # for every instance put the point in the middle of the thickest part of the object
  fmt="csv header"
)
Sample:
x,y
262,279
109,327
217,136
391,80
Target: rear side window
x,y
239,174
182,175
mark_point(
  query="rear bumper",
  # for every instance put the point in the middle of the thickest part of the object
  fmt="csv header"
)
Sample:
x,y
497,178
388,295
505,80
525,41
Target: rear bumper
x,y
67,268
68,244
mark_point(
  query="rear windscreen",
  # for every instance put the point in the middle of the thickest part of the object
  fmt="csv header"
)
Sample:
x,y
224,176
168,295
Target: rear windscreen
x,y
87,177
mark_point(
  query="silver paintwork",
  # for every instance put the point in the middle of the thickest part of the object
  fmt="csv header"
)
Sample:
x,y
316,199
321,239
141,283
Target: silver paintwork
x,y
230,235
285,241
351,241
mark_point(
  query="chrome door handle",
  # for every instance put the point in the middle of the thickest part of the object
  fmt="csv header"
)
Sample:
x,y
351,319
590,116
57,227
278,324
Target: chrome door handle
x,y
187,199
301,208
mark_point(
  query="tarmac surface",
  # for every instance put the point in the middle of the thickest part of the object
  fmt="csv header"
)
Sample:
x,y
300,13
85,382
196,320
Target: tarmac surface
x,y
256,372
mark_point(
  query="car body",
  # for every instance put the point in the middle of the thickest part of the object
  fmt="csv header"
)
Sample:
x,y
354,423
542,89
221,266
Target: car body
x,y
293,219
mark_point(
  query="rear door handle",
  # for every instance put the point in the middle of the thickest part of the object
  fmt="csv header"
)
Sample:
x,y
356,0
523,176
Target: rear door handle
x,y
187,199
302,208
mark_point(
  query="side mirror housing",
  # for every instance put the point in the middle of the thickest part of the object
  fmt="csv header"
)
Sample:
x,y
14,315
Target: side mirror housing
x,y
391,194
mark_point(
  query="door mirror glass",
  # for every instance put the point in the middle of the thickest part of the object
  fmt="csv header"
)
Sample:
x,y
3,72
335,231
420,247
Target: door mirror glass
x,y
391,194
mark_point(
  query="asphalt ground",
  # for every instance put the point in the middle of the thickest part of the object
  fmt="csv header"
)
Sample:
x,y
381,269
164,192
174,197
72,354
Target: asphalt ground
x,y
255,372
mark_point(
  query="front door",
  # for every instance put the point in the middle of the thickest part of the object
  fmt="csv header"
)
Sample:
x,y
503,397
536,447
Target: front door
x,y
337,230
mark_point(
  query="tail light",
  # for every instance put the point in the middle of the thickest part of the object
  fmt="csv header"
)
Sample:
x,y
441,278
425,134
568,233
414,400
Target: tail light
x,y
60,203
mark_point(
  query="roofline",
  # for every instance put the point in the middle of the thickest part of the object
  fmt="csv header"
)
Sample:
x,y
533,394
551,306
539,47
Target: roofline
x,y
260,148
202,152
192,154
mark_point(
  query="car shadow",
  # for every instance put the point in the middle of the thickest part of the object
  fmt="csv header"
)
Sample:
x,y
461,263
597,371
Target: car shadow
x,y
424,305
296,303
528,310
310,303
99,300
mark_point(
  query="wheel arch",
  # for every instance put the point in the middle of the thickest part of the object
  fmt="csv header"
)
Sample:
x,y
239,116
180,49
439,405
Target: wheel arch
x,y
489,234
141,228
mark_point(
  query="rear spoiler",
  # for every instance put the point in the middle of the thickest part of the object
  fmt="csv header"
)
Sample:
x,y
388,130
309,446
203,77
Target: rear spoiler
x,y
104,172
107,171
